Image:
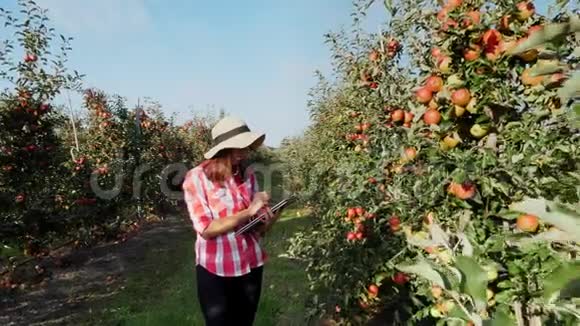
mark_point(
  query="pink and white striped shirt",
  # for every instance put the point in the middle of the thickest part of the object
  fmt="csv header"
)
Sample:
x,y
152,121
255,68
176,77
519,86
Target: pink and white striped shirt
x,y
227,254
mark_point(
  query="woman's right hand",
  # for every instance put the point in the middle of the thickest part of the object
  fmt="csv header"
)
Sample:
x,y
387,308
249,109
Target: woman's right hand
x,y
261,199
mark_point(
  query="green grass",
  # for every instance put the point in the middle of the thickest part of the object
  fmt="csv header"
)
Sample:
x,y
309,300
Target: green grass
x,y
163,290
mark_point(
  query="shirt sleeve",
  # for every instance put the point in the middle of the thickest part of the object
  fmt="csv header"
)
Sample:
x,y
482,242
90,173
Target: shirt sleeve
x,y
197,205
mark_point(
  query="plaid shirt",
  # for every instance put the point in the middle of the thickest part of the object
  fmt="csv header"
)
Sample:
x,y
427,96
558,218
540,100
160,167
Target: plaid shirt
x,y
227,254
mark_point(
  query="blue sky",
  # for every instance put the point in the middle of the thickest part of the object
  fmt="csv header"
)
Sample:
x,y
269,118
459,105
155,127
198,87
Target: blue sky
x,y
256,58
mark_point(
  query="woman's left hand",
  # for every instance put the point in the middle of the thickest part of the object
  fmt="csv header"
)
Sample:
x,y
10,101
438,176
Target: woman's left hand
x,y
270,220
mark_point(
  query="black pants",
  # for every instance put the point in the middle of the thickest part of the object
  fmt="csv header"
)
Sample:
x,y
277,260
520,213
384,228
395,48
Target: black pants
x,y
229,301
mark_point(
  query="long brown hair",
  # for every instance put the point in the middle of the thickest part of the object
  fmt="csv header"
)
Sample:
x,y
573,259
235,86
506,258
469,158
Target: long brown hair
x,y
219,168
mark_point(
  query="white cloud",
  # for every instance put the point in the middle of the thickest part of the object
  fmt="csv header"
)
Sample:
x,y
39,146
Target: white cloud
x,y
100,17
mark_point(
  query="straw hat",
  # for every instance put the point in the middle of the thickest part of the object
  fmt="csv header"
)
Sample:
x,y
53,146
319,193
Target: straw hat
x,y
231,132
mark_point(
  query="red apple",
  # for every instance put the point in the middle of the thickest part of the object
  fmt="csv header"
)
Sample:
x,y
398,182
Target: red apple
x,y
400,278
449,24
30,57
442,14
410,153
443,63
491,40
374,56
473,18
373,290
528,223
394,223
423,95
432,117
351,213
465,190
397,115
504,24
472,53
20,198
434,83
436,53
452,4
461,97
525,10
393,47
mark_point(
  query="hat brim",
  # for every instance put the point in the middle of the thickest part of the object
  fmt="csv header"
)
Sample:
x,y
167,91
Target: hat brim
x,y
248,139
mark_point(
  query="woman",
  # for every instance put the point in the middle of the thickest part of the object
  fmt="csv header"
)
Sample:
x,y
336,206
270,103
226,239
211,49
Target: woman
x,y
221,197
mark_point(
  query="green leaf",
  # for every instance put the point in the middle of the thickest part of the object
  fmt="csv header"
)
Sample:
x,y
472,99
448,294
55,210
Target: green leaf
x,y
575,115
546,68
547,34
548,236
508,215
467,247
551,212
7,251
503,296
380,277
474,281
438,235
454,320
457,312
425,270
545,54
576,53
420,242
563,281
505,284
389,6
500,318
546,180
517,157
570,88
463,216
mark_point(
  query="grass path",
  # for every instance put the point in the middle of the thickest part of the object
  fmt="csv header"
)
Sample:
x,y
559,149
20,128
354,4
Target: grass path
x,y
160,288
